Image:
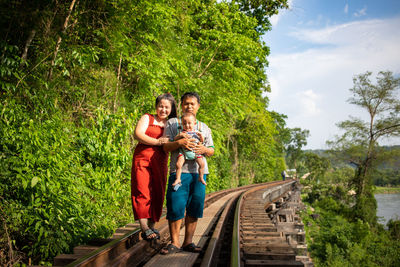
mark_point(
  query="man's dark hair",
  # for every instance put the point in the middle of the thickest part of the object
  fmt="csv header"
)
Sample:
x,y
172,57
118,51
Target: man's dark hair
x,y
190,94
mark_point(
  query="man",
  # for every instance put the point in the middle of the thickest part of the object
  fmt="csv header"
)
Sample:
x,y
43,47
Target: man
x,y
283,173
190,196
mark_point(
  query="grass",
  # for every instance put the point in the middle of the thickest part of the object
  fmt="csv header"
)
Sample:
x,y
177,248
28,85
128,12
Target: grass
x,y
387,190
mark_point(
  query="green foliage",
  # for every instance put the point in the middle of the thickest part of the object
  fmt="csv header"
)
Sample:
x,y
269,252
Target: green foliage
x,y
341,229
256,130
394,228
9,63
59,183
294,152
334,198
316,166
336,241
387,190
359,144
386,177
262,11
340,175
71,96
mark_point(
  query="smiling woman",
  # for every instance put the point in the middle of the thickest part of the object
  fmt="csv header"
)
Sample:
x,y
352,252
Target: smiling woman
x,y
149,166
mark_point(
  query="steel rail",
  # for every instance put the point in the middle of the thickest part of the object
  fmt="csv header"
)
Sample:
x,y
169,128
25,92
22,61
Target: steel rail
x,y
278,189
213,247
129,245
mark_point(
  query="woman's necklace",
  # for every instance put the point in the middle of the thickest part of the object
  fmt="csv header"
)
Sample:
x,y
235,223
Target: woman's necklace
x,y
158,121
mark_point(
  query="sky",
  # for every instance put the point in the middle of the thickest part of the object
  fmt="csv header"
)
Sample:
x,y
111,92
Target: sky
x,y
317,47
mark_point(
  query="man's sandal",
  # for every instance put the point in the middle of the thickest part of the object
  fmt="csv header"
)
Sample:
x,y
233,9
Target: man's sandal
x,y
192,248
146,235
170,249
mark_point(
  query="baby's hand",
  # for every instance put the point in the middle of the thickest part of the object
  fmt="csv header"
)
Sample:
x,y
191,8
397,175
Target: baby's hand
x,y
184,134
180,136
200,136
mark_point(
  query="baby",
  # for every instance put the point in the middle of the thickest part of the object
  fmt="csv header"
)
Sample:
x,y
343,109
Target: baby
x,y
188,125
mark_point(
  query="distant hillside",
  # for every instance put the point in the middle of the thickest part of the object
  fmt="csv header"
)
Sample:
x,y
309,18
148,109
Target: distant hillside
x,y
387,173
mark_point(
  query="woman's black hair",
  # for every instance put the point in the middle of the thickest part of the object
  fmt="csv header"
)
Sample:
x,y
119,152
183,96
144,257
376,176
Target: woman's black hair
x,y
171,99
191,94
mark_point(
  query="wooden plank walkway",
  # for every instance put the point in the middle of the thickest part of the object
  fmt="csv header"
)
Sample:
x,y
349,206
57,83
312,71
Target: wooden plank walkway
x,y
204,225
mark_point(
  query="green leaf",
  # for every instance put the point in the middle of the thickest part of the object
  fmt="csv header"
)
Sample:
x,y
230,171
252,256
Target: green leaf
x,y
34,181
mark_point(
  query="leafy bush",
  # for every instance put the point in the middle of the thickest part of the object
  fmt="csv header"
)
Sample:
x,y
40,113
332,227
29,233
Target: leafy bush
x,y
9,66
394,228
61,184
335,239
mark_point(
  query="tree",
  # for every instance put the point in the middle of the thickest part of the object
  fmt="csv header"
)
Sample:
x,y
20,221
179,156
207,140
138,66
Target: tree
x,y
359,144
316,165
262,11
298,139
284,133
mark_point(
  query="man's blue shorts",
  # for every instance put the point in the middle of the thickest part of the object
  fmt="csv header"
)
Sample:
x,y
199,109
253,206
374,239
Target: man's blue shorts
x,y
190,197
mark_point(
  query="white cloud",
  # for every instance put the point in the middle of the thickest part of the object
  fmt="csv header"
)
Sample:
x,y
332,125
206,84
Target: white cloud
x,y
312,86
290,3
361,12
309,102
346,8
275,18
316,22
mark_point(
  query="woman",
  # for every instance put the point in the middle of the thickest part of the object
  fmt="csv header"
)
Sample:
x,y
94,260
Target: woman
x,y
150,166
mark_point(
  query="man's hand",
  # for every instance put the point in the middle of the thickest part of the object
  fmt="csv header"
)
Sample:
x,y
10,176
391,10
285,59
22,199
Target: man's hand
x,y
187,143
200,149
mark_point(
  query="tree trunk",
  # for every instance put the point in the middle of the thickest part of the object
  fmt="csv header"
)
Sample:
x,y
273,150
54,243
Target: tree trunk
x,y
235,165
364,207
49,22
60,39
27,44
118,77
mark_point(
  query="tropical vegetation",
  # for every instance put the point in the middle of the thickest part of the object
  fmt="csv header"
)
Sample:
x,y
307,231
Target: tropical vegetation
x,y
75,78
341,219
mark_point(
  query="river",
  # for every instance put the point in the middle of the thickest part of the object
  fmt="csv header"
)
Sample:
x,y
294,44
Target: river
x,y
388,207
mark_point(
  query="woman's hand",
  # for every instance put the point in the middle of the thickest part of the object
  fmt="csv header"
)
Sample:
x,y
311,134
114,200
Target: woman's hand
x,y
162,140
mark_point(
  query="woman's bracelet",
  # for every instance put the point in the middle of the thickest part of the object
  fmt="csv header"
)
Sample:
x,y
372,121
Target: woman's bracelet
x,y
161,141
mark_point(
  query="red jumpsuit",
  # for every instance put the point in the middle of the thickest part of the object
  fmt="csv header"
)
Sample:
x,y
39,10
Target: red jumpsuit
x,y
149,176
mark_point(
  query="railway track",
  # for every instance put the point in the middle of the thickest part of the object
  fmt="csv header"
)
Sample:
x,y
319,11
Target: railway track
x,y
224,232
267,229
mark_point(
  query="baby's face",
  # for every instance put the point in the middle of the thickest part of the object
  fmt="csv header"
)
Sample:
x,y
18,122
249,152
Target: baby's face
x,y
188,123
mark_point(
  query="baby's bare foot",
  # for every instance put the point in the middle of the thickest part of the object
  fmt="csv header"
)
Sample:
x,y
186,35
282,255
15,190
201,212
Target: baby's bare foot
x,y
201,180
177,181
